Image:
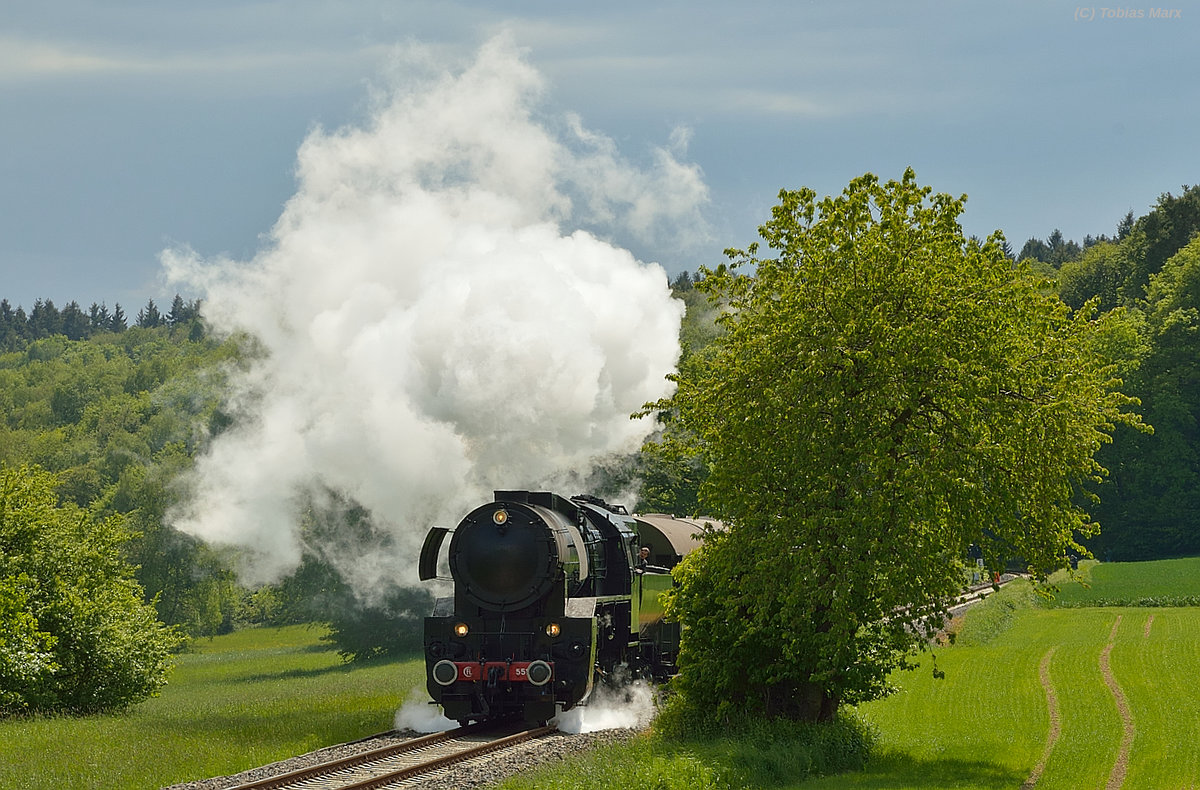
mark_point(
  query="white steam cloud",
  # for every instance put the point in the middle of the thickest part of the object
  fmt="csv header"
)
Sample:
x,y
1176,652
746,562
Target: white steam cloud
x,y
419,714
433,327
628,706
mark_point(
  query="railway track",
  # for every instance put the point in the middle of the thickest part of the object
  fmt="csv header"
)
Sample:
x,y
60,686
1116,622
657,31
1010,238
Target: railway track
x,y
977,593
954,607
400,764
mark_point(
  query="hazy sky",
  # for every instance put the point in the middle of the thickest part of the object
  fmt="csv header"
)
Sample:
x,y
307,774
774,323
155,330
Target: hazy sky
x,y
127,128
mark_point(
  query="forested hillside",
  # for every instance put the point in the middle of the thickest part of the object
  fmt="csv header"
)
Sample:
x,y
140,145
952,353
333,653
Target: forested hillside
x,y
116,415
1150,506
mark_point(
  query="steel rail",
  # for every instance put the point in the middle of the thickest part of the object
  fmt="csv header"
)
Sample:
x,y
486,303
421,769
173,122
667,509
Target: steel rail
x,y
441,762
354,760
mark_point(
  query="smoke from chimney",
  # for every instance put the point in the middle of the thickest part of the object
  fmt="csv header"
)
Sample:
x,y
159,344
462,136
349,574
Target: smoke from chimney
x,y
432,321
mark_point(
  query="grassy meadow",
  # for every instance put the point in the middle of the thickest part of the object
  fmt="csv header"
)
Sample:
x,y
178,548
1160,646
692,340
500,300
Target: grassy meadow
x,y
261,695
986,724
233,702
1158,583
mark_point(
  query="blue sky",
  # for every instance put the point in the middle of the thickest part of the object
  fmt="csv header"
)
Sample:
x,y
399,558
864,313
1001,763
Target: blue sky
x,y
131,127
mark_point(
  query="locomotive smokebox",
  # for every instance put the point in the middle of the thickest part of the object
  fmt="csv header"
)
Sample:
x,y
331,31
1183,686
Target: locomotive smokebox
x,y
505,556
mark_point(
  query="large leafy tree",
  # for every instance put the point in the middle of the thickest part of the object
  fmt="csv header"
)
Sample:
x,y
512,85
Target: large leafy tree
x,y
886,394
75,634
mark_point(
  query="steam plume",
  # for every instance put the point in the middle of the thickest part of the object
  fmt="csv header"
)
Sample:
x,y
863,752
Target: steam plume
x,y
433,322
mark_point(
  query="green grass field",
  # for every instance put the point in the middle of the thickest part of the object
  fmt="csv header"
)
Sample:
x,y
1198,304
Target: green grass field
x,y
987,723
1158,583
261,695
234,702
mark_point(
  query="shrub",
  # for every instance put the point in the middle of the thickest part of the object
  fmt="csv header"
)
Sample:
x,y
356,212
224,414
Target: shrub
x,y
75,634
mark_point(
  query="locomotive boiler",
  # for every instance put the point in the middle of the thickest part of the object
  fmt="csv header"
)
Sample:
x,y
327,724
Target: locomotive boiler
x,y
549,597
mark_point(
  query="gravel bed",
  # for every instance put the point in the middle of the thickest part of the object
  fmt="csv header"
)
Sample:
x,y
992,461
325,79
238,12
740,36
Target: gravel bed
x,y
494,768
481,772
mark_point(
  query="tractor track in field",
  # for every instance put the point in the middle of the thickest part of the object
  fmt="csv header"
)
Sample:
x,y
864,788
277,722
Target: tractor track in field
x,y
1055,720
1116,777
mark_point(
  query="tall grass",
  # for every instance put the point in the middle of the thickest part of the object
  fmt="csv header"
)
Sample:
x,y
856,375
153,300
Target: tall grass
x,y
235,702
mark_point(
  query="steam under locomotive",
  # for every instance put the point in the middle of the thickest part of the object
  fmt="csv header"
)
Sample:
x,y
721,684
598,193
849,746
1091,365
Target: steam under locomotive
x,y
549,597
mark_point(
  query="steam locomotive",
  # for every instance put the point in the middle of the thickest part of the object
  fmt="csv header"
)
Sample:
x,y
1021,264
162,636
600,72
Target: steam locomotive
x,y
550,596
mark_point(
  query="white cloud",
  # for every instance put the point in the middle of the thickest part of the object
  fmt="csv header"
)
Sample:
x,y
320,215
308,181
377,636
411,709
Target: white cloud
x,y
28,59
20,58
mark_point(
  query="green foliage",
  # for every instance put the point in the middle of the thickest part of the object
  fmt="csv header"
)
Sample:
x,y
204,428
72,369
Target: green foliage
x,y
1100,273
671,478
886,394
1118,271
670,473
391,628
117,418
1158,235
76,634
26,651
18,330
337,532
699,327
1055,251
1151,506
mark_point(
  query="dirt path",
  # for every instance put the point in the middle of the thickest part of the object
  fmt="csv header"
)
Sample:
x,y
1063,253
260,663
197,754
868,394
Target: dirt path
x,y
1117,777
1055,723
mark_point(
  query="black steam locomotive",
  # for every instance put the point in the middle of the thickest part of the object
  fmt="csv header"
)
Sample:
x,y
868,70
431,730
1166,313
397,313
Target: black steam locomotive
x,y
550,595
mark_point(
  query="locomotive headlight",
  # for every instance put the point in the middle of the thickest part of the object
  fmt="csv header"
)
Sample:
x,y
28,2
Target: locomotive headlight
x,y
461,630
500,517
553,630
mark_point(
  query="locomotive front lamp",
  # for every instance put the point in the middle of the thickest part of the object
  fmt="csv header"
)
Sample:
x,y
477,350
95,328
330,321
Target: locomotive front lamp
x,y
500,517
461,630
553,630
